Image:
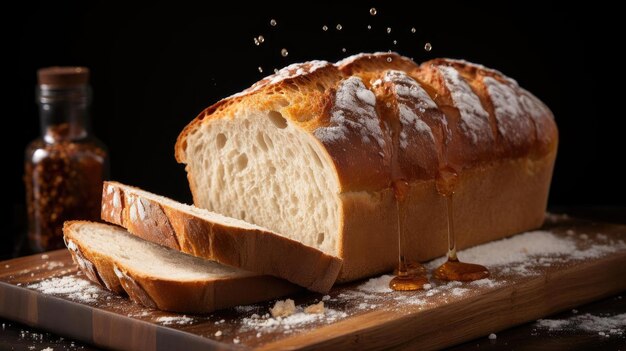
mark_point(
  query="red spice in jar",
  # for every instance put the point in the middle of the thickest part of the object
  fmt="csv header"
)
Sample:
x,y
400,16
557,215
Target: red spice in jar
x,y
64,169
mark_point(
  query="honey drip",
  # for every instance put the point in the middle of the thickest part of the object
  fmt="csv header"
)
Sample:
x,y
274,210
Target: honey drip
x,y
453,269
410,275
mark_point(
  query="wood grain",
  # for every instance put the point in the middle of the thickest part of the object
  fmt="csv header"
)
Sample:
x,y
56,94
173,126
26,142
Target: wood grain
x,y
115,322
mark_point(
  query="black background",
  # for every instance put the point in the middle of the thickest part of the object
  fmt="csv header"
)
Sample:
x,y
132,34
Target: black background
x,y
156,65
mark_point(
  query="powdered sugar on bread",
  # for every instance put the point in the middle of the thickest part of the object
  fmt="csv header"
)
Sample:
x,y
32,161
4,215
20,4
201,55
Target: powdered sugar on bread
x,y
475,120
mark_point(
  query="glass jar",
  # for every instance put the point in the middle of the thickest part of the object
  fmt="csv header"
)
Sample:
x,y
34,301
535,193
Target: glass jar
x,y
65,167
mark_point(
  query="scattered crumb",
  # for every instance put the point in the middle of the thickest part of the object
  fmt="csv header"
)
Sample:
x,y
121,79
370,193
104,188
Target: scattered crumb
x,y
218,333
48,349
258,335
325,297
574,311
493,336
236,340
601,236
6,266
44,257
570,232
283,308
427,286
315,308
584,236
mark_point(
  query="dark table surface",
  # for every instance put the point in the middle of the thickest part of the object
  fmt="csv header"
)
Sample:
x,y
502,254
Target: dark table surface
x,y
16,336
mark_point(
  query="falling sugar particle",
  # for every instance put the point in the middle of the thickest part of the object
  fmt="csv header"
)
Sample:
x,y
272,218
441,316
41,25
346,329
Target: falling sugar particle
x,y
369,27
260,69
273,22
389,59
261,39
284,52
388,30
256,42
373,11
428,46
324,28
413,30
339,27
395,42
275,70
343,49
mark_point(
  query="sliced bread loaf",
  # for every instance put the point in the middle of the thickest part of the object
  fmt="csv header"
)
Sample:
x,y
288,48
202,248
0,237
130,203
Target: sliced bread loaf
x,y
312,152
159,277
223,239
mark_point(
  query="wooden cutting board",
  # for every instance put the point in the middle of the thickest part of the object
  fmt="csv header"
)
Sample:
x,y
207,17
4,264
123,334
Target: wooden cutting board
x,y
357,317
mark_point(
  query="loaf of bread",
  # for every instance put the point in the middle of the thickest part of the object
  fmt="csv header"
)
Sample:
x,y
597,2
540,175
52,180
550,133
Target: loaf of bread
x,y
158,277
311,153
222,239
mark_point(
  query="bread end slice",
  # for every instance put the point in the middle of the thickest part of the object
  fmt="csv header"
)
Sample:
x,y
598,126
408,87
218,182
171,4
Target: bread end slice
x,y
159,277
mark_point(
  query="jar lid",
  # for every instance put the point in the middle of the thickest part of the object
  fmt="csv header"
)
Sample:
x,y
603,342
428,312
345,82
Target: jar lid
x,y
63,76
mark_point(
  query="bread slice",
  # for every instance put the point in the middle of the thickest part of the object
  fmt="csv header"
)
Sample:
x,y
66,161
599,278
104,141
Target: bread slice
x,y
229,241
311,152
159,277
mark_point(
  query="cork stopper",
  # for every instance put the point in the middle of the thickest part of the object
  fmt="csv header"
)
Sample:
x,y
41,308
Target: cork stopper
x,y
63,77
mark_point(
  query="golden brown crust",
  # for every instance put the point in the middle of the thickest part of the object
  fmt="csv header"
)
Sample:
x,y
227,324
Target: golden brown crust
x,y
307,93
255,250
199,296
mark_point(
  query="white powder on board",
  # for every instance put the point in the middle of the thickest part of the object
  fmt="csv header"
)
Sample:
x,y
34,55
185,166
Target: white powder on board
x,y
169,320
298,319
525,247
377,285
70,286
485,283
607,325
520,255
